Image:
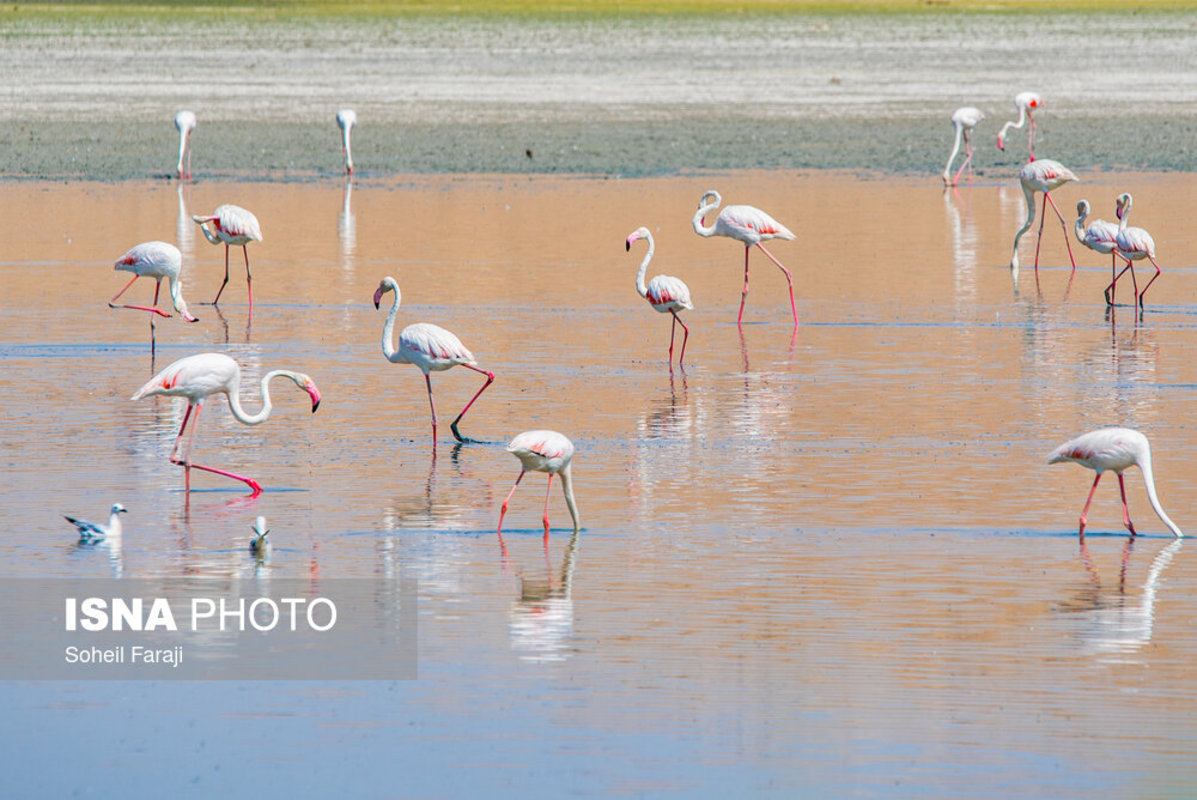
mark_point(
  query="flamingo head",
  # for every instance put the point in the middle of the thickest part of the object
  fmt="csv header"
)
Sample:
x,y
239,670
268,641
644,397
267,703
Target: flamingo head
x,y
639,233
308,385
1001,142
1082,208
387,285
710,199
1120,205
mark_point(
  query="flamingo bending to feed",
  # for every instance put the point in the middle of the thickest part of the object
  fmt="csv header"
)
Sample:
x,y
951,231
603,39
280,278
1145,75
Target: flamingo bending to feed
x,y
544,451
185,122
200,376
429,347
964,120
346,119
1098,236
1113,449
155,260
232,225
1044,175
1025,102
664,293
1132,244
90,530
749,225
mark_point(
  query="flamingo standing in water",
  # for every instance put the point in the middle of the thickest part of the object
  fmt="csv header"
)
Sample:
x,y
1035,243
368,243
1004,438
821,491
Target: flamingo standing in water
x,y
1098,236
1113,449
1025,102
232,225
1132,244
346,119
200,376
964,120
1044,175
185,122
429,347
89,531
544,451
664,293
749,225
156,260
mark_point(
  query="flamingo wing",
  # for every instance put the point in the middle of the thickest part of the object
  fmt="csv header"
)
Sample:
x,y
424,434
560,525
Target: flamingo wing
x,y
668,293
967,117
237,223
542,450
154,259
1100,236
1102,449
1135,243
194,377
749,223
424,343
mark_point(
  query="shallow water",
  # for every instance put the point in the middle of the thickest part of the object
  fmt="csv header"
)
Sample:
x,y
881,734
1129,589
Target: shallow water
x,y
835,564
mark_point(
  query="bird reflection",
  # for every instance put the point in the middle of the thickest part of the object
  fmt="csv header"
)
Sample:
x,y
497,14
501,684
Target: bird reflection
x,y
184,227
672,418
959,214
1112,625
441,508
347,227
541,621
112,547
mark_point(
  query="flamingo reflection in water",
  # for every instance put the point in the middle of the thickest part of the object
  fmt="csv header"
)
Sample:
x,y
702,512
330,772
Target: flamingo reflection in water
x,y
541,620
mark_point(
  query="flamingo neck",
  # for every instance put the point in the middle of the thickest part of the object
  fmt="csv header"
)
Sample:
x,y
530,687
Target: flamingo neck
x,y
182,148
1125,213
267,406
388,332
640,287
699,227
947,170
1148,479
345,149
567,487
209,235
1079,228
176,297
1022,118
1029,194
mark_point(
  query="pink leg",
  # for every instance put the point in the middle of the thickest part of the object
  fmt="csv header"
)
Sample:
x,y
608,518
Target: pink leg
x,y
432,405
672,331
249,279
255,487
1113,279
968,158
1085,510
685,338
789,280
546,509
1153,277
226,276
744,294
490,378
155,310
503,510
1126,520
1039,239
1110,288
1064,227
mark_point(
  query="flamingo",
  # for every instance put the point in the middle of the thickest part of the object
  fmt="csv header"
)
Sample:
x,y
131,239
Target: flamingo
x,y
1044,175
429,347
1113,449
346,119
156,260
1098,237
963,120
260,545
200,376
663,293
185,122
89,531
1024,102
749,225
544,451
232,225
1133,244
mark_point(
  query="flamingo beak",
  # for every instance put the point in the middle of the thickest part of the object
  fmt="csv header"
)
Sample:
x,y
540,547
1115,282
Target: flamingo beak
x,y
1001,144
311,389
377,297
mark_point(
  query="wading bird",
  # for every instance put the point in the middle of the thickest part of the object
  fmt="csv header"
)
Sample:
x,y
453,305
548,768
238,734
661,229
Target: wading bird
x,y
1098,236
232,225
90,530
664,293
1044,175
1026,103
749,225
155,260
1113,449
260,545
544,451
346,119
964,120
185,122
429,347
1132,244
200,376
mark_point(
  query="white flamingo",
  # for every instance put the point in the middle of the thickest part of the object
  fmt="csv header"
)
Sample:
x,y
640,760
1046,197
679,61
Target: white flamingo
x,y
1044,175
429,347
232,226
749,225
544,451
1098,236
963,120
1026,103
185,122
1132,244
664,293
346,119
1114,449
155,260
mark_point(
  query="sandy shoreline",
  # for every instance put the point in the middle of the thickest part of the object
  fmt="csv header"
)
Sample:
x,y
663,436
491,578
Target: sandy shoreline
x,y
623,96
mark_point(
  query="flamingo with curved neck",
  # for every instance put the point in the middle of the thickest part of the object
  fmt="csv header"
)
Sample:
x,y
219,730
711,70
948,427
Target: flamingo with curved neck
x,y
1044,175
1114,449
346,119
544,451
1098,236
749,225
429,347
185,122
664,293
963,120
155,260
232,226
1025,102
200,376
1132,244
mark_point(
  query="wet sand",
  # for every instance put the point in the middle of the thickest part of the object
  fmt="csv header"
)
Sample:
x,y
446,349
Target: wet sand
x,y
843,550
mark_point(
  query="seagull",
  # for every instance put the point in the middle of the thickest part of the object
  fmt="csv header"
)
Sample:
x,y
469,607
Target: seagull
x,y
89,530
